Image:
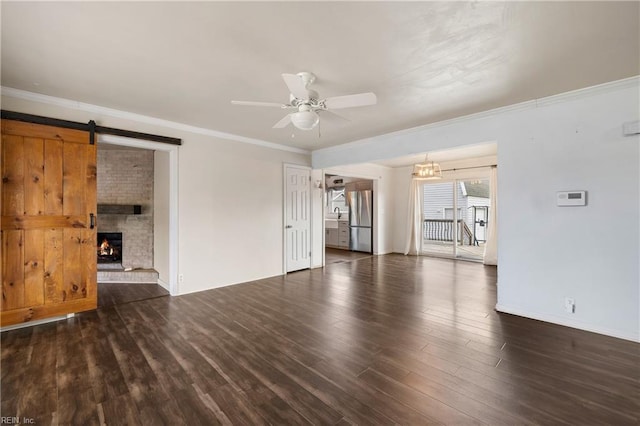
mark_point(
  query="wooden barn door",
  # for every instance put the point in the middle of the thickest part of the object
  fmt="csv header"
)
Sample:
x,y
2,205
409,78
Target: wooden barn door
x,y
48,222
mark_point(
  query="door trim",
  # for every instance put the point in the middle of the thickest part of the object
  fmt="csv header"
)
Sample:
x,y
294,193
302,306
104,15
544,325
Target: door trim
x,y
284,215
374,216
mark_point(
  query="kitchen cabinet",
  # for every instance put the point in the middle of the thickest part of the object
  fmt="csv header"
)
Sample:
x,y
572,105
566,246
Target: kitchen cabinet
x,y
343,234
364,185
331,237
338,237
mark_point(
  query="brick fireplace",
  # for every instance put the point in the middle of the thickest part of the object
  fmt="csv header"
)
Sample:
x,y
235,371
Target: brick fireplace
x,y
125,203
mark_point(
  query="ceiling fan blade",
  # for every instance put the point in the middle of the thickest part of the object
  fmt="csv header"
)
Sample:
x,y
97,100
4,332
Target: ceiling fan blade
x,y
333,118
283,123
296,86
265,104
348,101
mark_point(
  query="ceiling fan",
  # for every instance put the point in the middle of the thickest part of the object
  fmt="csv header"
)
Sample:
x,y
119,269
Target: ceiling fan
x,y
308,104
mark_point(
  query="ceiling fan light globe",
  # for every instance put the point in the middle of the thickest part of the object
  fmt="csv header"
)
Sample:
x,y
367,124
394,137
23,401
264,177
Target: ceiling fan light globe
x,y
305,120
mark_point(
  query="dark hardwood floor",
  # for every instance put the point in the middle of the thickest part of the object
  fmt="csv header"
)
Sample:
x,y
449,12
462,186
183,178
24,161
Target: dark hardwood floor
x,y
333,255
111,294
382,340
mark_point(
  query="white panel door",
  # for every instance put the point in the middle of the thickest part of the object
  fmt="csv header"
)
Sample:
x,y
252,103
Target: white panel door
x,y
297,218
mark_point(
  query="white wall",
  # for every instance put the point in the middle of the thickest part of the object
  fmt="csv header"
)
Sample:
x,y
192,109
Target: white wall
x,y
401,184
230,199
161,248
317,219
567,142
383,199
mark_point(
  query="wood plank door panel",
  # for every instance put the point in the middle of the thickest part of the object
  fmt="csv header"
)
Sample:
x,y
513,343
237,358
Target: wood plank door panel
x,y
48,242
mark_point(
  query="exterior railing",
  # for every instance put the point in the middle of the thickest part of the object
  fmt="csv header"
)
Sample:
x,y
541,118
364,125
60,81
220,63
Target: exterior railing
x,y
442,230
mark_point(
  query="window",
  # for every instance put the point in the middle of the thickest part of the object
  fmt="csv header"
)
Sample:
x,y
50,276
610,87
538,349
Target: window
x,y
336,199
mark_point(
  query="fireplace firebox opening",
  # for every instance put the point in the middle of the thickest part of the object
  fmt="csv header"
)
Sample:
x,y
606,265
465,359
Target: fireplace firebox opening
x,y
109,247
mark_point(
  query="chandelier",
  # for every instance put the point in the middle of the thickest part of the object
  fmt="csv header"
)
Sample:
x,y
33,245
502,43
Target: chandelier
x,y
427,170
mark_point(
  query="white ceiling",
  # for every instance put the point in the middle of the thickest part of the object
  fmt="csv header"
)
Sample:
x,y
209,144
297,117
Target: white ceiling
x,y
426,61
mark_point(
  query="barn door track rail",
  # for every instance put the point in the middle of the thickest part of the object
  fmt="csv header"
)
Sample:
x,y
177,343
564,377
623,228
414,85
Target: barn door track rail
x,y
90,127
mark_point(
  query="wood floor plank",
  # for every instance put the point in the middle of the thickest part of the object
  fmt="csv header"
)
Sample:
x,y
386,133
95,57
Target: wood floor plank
x,y
112,294
562,405
144,387
240,376
371,396
39,402
376,340
306,403
192,363
106,377
303,375
198,411
431,407
77,406
120,411
597,402
233,406
168,412
460,402
167,370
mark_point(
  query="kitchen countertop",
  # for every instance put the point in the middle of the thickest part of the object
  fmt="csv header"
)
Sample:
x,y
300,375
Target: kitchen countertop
x,y
333,223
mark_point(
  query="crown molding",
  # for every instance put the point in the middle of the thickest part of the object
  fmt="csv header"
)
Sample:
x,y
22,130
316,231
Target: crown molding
x,y
110,112
535,103
531,104
589,91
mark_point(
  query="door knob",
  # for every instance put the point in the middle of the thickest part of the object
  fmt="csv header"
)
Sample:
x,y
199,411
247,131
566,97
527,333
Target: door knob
x,y
289,226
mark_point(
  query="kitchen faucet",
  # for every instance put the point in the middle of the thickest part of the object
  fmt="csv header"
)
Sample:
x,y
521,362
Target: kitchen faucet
x,y
339,214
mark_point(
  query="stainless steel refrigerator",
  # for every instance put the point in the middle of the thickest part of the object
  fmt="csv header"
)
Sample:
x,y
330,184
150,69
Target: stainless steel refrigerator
x,y
360,220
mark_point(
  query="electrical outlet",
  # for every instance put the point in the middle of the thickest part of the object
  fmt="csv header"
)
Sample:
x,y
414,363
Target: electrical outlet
x,y
181,278
569,305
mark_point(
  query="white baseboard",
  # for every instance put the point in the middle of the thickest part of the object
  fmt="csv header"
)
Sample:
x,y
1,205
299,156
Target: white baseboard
x,y
163,284
554,319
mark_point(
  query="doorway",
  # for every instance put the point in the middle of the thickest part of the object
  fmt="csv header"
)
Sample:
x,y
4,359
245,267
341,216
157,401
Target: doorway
x,y
165,207
130,204
456,218
348,218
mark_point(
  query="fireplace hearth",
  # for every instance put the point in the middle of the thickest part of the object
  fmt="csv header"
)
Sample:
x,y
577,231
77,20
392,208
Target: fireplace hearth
x,y
109,249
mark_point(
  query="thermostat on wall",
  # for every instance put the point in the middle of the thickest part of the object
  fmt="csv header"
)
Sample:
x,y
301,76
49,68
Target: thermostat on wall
x,y
571,198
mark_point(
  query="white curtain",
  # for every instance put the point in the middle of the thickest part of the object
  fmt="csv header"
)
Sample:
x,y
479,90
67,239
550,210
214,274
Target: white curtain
x,y
414,218
491,247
